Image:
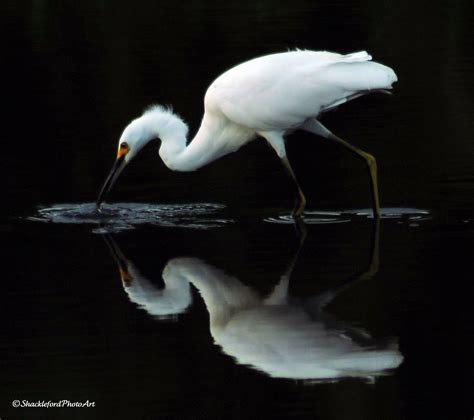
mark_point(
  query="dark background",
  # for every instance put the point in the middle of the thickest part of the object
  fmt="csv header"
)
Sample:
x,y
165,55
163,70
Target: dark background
x,y
75,73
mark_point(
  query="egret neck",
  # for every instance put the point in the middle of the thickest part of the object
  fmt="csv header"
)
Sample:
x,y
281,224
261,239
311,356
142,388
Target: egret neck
x,y
216,137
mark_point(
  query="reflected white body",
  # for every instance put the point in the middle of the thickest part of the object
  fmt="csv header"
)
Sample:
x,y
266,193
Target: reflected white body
x,y
284,340
280,339
173,299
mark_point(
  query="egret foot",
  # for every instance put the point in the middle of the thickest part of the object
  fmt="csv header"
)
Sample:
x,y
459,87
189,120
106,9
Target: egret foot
x,y
301,229
300,205
372,165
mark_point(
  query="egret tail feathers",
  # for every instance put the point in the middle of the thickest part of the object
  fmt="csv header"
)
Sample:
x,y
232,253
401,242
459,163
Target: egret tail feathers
x,y
370,361
336,104
357,56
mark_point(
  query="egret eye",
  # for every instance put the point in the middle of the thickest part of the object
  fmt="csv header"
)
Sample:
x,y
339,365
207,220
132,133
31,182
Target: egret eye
x,y
123,150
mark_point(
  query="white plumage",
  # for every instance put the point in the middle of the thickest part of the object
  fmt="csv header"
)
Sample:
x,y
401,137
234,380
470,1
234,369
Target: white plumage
x,y
270,96
284,340
281,91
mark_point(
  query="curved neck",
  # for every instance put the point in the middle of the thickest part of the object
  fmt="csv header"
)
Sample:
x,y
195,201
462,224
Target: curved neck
x,y
216,137
223,295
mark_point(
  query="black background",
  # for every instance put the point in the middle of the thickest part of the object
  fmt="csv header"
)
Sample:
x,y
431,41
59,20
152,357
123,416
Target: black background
x,y
75,73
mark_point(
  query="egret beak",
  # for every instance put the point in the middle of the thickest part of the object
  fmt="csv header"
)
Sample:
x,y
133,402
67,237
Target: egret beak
x,y
118,167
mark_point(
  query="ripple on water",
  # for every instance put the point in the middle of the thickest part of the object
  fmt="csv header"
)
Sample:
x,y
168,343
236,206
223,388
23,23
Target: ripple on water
x,y
410,216
124,216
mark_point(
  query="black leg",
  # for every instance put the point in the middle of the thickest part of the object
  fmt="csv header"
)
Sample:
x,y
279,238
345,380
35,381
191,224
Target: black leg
x,y
300,198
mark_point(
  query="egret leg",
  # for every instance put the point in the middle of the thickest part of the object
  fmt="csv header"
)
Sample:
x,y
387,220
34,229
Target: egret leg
x,y
280,292
372,166
275,139
367,273
315,127
300,203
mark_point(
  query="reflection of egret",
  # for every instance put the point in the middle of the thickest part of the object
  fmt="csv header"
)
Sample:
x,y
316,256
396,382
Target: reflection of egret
x,y
269,96
278,335
172,300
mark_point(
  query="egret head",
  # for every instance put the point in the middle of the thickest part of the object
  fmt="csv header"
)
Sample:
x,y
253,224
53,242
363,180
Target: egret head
x,y
132,140
156,122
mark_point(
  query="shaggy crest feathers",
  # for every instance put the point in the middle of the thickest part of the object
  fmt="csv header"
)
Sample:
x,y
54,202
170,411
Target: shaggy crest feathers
x,y
165,118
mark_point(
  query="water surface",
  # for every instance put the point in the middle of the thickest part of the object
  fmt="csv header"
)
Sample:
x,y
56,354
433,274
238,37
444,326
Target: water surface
x,y
124,216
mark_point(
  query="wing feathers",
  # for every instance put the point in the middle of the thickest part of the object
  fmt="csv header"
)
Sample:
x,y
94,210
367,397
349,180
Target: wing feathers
x,y
281,91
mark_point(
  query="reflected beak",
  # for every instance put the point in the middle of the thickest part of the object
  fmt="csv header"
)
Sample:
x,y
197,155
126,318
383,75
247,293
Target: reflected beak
x,y
120,259
118,167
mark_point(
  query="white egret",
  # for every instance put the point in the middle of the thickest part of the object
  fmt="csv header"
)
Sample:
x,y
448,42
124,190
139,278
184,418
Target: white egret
x,y
270,96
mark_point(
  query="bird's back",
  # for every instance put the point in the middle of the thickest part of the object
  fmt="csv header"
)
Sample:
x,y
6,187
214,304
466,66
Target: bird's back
x,y
281,91
285,342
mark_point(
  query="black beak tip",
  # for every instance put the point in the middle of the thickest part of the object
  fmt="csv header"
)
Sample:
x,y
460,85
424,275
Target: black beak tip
x,y
100,201
109,182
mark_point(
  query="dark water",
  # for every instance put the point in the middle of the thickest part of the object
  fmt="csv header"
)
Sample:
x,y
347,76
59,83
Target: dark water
x,y
192,295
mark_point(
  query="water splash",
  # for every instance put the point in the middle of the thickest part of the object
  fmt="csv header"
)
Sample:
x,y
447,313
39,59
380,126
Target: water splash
x,y
411,216
125,216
